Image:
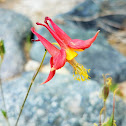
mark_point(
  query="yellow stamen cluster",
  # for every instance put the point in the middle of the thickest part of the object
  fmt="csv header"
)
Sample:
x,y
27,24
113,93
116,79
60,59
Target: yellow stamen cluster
x,y
80,73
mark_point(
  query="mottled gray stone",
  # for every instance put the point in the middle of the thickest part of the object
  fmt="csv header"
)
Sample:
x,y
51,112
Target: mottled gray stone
x,y
124,121
37,51
14,28
57,103
94,9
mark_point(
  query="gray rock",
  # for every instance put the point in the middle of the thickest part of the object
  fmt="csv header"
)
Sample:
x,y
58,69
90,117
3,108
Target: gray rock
x,y
85,9
57,103
124,121
95,12
37,51
14,30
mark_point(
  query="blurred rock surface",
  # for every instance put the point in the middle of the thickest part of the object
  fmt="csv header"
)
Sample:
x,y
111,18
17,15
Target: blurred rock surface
x,y
57,103
108,15
37,52
14,28
118,41
37,9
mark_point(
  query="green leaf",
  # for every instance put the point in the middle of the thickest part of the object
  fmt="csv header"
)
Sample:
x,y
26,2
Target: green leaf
x,y
110,122
28,44
4,113
2,48
114,87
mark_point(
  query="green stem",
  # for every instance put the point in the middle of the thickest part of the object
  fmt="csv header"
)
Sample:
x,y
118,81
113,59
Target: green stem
x,y
104,111
2,93
114,104
100,116
30,88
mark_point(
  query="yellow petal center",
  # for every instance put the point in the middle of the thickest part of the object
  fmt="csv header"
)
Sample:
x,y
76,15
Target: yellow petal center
x,y
70,54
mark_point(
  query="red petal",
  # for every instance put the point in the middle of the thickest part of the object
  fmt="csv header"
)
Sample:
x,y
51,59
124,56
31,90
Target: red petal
x,y
59,60
56,62
51,74
50,48
56,37
63,36
82,44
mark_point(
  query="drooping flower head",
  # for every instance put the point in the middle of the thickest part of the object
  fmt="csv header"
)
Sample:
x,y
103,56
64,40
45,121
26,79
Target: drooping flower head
x,y
67,51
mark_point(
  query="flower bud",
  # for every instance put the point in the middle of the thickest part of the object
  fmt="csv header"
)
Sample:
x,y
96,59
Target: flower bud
x,y
105,92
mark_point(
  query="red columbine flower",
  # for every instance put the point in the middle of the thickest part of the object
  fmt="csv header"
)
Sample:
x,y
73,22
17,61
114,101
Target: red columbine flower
x,y
66,53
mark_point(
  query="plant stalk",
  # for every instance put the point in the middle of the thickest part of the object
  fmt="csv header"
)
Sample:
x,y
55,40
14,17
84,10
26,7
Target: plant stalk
x,y
32,81
2,95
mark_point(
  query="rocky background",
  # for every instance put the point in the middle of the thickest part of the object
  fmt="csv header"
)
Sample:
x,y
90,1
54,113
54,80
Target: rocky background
x,y
67,102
